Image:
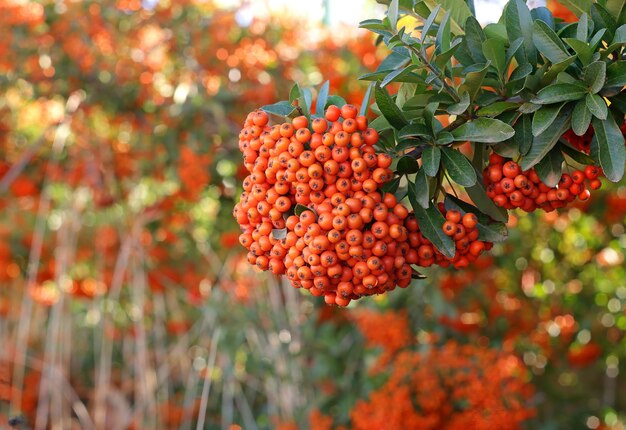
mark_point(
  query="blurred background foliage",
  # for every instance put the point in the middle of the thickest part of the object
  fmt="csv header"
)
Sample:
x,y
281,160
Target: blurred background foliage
x,y
126,301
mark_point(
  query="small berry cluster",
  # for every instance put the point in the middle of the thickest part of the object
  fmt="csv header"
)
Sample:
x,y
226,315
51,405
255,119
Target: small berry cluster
x,y
463,230
312,209
582,143
510,187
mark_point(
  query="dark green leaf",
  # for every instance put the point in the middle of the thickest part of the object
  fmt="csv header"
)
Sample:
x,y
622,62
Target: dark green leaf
x,y
555,69
407,165
548,43
459,167
389,109
609,146
519,24
488,229
373,24
557,93
461,106
415,130
616,7
543,143
474,38
544,117
300,209
391,186
431,157
603,19
582,49
422,192
594,76
431,225
577,156
395,75
486,130
496,30
512,50
473,82
444,138
616,74
550,167
523,134
497,108
494,52
322,98
581,118
597,106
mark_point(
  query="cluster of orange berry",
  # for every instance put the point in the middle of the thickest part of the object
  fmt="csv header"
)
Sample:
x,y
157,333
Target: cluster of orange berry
x,y
510,187
312,209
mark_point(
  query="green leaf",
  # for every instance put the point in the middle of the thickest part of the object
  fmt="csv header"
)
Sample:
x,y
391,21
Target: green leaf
x,y
431,225
397,75
581,118
282,109
519,24
529,107
616,7
373,24
582,50
549,169
608,143
603,19
461,106
494,52
497,108
415,130
479,196
616,74
582,28
444,138
548,43
488,229
459,12
388,108
443,34
391,186
279,233
366,99
392,14
422,192
335,100
597,106
429,22
555,69
474,38
431,158
459,167
543,143
577,156
407,165
594,76
322,98
496,30
523,134
578,7
473,82
300,209
557,93
544,117
485,130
